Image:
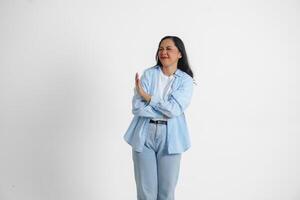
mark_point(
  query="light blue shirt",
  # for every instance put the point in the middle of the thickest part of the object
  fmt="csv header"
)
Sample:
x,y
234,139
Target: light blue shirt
x,y
172,108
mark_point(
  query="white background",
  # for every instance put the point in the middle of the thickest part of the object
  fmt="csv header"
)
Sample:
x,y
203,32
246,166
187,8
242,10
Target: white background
x,y
66,82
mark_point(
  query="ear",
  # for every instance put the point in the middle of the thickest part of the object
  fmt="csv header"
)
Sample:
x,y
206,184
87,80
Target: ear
x,y
180,56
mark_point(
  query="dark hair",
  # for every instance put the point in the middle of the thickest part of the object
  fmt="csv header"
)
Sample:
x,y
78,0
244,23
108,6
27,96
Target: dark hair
x,y
183,63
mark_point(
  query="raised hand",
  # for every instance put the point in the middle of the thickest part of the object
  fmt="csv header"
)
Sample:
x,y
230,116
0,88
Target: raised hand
x,y
140,89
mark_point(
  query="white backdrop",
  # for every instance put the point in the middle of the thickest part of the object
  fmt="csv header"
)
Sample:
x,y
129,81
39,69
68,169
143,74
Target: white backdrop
x,y
66,82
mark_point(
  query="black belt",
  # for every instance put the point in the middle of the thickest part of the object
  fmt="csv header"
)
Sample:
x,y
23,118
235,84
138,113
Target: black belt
x,y
158,122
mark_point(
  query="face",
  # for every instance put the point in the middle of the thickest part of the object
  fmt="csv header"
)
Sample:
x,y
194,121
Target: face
x,y
168,53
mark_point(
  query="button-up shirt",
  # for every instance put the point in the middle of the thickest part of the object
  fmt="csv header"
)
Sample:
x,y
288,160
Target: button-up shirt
x,y
172,108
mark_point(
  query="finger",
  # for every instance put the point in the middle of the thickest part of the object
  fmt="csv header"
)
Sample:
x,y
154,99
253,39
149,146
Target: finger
x,y
139,82
136,76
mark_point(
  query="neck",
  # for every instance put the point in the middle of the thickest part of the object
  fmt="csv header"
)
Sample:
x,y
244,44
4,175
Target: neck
x,y
169,70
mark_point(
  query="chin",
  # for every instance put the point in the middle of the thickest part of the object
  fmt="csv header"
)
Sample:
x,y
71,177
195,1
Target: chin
x,y
165,64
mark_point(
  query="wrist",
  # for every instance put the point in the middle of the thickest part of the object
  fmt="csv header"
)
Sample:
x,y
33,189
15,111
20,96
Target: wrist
x,y
146,96
148,99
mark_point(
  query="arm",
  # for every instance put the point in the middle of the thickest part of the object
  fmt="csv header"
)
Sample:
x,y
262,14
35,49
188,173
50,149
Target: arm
x,y
177,102
140,106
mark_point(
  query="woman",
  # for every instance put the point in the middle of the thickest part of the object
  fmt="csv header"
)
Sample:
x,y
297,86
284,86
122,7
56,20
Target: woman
x,y
158,132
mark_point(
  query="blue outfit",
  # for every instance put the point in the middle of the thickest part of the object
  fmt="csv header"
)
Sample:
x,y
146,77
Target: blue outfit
x,y
173,108
157,148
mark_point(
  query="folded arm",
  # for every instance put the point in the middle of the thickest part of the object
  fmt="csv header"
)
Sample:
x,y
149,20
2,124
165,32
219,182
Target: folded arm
x,y
177,102
140,106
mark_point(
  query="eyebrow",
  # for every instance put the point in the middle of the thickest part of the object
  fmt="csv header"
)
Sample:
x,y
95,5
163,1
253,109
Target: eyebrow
x,y
166,46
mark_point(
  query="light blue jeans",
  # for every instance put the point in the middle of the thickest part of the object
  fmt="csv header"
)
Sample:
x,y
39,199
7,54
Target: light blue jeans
x,y
156,172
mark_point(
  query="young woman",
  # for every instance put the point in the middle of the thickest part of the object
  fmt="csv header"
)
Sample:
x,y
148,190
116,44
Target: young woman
x,y
158,132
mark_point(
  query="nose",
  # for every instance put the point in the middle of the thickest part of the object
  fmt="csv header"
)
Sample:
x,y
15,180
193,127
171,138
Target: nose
x,y
163,52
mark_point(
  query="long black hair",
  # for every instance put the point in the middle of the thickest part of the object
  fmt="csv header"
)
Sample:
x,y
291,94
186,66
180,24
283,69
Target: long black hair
x,y
183,63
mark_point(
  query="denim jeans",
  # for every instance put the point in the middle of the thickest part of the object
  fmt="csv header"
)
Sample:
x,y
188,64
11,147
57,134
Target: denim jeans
x,y
156,172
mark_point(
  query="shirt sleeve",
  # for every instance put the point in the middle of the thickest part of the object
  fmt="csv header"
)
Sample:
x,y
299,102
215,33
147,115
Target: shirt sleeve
x,y
177,101
139,106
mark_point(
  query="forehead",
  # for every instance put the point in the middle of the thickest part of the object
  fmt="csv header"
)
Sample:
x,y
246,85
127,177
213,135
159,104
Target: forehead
x,y
167,42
